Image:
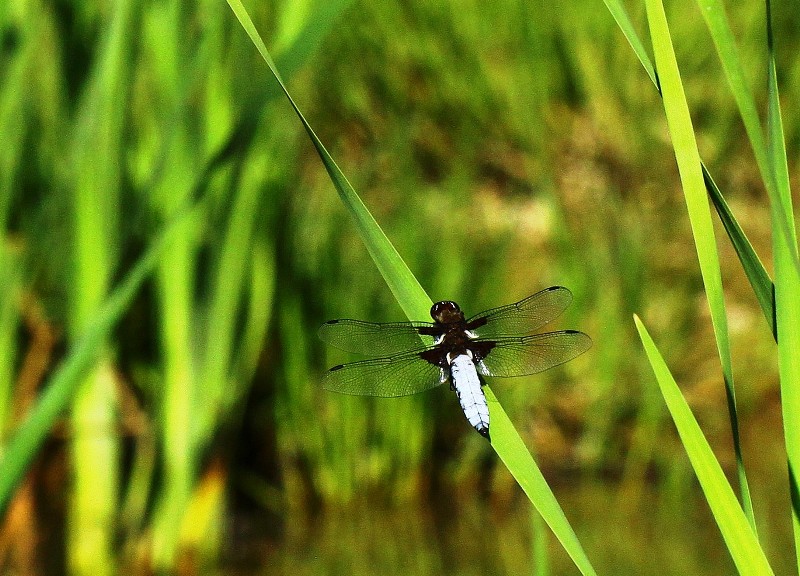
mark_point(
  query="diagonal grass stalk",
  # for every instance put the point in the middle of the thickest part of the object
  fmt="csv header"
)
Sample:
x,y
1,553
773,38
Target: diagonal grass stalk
x,y
412,298
739,536
763,288
61,387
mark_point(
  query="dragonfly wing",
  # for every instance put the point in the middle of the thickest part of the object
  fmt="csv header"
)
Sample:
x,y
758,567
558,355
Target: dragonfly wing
x,y
523,317
373,338
399,375
532,354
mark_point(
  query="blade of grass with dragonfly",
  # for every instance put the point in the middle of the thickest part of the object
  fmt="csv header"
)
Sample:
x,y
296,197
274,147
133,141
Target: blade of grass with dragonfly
x,y
687,156
739,537
416,303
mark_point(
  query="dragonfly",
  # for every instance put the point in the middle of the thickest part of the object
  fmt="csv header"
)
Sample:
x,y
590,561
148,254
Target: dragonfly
x,y
411,357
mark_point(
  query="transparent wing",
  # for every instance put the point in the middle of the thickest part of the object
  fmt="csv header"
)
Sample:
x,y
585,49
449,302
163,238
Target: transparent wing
x,y
374,339
525,316
399,375
531,354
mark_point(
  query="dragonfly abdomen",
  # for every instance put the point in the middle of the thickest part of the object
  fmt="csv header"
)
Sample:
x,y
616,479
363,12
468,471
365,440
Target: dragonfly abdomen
x,y
468,389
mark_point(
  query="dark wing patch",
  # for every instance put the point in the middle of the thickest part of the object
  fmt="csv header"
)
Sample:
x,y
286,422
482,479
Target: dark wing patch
x,y
375,339
532,354
399,375
523,317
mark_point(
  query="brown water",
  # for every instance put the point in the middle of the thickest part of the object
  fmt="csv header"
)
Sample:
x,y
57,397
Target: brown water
x,y
637,534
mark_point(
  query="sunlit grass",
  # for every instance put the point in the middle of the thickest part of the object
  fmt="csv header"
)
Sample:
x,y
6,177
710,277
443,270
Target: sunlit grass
x,y
502,148
742,541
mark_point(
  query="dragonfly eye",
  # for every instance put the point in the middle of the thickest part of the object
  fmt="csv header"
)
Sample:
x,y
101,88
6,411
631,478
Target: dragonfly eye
x,y
446,312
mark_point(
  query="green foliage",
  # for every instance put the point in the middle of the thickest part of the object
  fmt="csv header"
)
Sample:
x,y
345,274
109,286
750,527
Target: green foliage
x,y
738,533
410,295
689,165
169,237
62,385
780,311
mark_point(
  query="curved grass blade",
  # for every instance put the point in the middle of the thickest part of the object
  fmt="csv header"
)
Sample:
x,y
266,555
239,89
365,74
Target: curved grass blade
x,y
416,303
694,189
62,386
739,537
714,13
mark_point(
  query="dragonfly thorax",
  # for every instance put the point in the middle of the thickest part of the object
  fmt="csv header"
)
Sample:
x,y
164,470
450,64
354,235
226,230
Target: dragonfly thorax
x,y
446,312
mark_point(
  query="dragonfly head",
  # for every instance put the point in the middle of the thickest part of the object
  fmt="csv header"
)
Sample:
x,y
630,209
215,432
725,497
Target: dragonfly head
x,y
446,312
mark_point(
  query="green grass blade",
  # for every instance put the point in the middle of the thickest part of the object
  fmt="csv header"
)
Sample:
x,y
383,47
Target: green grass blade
x,y
739,537
515,455
415,302
694,188
787,286
226,295
176,277
714,13
619,13
539,545
10,272
717,21
753,267
94,188
756,274
62,386
401,281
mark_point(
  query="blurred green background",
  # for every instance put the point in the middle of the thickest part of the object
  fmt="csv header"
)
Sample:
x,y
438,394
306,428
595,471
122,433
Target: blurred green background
x,y
503,147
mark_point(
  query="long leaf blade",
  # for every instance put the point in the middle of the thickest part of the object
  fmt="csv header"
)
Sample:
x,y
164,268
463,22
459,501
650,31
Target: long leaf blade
x,y
694,189
742,543
787,286
515,455
756,273
415,302
760,281
717,21
405,287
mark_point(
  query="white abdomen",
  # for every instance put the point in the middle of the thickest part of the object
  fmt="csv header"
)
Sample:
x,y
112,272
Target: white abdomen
x,y
468,389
